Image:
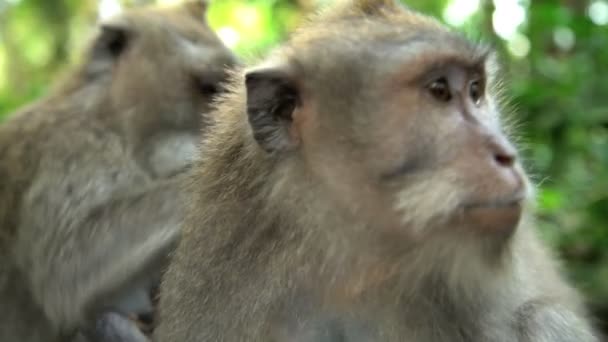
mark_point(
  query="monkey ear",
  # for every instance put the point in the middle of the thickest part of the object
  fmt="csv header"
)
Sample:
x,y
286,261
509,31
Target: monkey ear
x,y
112,40
272,98
197,9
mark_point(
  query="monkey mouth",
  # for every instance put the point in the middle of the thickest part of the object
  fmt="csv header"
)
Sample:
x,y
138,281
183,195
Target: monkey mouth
x,y
496,204
494,215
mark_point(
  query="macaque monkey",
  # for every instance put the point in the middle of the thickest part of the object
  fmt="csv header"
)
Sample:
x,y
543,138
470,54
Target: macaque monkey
x,y
357,186
89,177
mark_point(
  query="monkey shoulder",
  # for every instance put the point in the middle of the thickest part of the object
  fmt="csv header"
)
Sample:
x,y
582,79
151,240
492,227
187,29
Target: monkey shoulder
x,y
57,159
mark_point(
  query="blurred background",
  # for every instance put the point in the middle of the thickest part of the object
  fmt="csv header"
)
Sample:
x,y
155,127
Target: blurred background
x,y
555,54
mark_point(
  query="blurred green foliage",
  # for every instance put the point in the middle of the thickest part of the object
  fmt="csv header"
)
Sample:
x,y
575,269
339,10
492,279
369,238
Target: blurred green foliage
x,y
555,54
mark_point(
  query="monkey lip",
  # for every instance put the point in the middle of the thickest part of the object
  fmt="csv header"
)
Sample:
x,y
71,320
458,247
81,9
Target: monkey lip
x,y
497,215
496,204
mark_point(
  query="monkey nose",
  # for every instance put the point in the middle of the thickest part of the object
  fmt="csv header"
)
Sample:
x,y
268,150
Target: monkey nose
x,y
502,152
504,157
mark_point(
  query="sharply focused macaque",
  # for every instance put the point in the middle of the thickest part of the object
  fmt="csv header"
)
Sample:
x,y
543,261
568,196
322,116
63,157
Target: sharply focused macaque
x,y
357,186
89,178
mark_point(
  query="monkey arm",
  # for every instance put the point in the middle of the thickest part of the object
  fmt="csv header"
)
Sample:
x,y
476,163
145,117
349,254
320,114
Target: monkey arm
x,y
89,258
554,312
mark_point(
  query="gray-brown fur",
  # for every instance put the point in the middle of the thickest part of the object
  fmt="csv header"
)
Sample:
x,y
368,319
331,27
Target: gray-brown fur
x,y
89,189
343,196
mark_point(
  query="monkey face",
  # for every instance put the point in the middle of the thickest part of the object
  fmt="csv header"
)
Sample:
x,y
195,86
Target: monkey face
x,y
165,65
423,150
413,144
449,164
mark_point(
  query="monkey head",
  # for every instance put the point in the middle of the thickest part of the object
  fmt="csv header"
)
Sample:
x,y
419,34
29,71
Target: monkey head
x,y
161,66
412,148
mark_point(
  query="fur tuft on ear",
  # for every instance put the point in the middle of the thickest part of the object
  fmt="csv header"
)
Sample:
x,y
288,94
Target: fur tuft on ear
x,y
271,100
346,9
197,9
375,7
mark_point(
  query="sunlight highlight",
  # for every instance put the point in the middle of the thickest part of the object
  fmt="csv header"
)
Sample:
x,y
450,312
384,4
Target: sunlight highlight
x,y
508,17
248,16
108,8
457,12
168,2
229,36
598,12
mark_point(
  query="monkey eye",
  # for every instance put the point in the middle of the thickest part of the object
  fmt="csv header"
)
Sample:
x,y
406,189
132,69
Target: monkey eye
x,y
207,83
440,89
208,88
476,91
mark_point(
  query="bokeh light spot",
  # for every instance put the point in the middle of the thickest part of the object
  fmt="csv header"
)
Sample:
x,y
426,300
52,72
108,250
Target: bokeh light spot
x,y
457,12
519,45
248,16
507,17
229,36
598,12
564,38
108,8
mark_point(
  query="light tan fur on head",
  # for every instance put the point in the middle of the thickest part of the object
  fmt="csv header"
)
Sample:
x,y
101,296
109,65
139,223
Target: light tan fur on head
x,y
197,8
363,8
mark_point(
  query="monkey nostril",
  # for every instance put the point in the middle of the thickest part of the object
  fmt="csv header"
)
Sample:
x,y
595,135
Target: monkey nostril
x,y
501,150
504,159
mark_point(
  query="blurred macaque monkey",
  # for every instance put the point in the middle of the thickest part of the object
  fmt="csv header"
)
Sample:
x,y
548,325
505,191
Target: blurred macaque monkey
x,y
89,177
358,186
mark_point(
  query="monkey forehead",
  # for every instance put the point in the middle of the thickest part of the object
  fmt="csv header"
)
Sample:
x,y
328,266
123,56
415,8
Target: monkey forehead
x,y
389,52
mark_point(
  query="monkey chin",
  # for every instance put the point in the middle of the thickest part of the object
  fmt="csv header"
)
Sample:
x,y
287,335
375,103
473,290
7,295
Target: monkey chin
x,y
500,217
